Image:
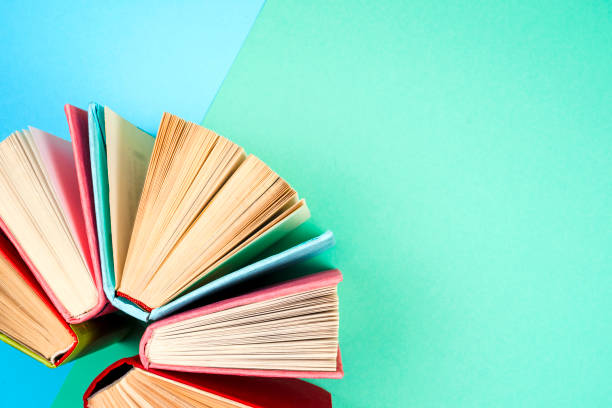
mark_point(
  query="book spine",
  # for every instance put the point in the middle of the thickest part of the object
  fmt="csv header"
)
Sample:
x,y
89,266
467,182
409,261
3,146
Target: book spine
x,y
25,350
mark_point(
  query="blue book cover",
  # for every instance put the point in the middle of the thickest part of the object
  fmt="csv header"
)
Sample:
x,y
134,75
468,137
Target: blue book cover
x,y
230,273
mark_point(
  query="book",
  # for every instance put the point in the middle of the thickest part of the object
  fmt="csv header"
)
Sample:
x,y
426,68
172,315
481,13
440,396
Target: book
x,y
127,382
281,259
277,260
30,323
285,330
118,129
196,210
79,135
45,210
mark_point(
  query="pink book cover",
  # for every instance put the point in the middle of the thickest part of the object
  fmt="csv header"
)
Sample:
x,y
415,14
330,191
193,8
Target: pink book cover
x,y
57,157
60,308
79,133
311,282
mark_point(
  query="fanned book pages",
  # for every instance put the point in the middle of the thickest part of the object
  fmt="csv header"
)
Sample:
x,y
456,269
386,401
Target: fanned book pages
x,y
31,324
199,211
286,330
42,213
249,273
128,383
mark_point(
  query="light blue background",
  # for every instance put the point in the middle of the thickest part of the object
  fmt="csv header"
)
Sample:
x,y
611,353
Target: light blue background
x,y
140,58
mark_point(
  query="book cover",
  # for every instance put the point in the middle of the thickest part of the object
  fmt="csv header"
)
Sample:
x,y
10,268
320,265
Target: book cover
x,y
300,285
88,336
251,391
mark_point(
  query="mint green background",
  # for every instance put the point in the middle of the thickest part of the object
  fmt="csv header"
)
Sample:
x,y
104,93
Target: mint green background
x,y
462,156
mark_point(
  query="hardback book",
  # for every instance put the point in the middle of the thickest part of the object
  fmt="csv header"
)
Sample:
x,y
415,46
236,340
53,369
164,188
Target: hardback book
x,y
286,330
180,216
127,383
46,211
30,323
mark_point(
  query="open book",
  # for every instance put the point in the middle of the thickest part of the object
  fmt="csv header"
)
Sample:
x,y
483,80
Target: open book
x,y
47,213
286,330
127,383
177,213
31,324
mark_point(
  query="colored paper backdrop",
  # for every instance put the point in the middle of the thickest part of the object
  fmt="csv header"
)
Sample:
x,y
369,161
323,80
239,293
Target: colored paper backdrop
x,y
461,153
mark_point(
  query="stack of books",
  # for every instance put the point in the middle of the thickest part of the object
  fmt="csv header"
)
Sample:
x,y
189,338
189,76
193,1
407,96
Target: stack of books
x,y
119,225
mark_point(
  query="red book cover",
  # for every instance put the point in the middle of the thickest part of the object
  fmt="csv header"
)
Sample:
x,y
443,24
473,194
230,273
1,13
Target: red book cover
x,y
88,336
9,252
253,391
